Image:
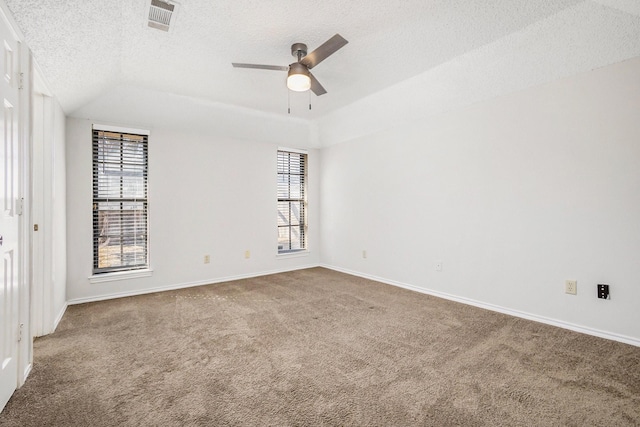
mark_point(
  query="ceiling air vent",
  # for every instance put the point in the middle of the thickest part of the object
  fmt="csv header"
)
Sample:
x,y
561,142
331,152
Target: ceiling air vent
x,y
160,14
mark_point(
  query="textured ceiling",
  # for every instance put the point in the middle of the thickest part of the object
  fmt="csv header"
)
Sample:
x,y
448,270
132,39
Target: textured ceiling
x,y
87,48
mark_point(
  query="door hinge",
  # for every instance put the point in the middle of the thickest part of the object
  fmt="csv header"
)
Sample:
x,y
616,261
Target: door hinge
x,y
20,331
21,81
20,206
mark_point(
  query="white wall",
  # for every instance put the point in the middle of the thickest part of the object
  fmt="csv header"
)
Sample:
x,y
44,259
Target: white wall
x,y
514,195
210,193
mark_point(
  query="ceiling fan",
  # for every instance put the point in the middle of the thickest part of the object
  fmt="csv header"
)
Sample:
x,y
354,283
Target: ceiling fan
x,y
300,78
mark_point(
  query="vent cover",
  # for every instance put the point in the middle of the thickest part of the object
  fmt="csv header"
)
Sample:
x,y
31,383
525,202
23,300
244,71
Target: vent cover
x,y
160,14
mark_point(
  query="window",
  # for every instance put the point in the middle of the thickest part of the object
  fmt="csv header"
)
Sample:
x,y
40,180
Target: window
x,y
292,201
120,214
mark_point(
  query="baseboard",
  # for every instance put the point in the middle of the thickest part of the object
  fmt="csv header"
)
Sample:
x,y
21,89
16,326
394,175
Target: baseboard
x,y
58,318
104,297
492,307
26,373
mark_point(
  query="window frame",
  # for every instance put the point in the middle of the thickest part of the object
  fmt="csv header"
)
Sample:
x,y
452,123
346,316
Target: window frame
x,y
101,274
303,224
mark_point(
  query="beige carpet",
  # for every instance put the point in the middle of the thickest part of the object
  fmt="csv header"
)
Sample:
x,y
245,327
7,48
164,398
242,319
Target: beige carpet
x,y
317,347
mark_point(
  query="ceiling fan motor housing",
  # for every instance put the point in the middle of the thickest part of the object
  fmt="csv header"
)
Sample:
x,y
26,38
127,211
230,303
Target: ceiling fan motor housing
x,y
299,50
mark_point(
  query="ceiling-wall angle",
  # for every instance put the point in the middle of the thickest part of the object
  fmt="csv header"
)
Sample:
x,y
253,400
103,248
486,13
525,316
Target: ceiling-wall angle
x,y
162,14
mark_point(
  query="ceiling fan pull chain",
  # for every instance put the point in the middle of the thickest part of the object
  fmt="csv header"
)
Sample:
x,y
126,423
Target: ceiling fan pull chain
x,y
309,92
288,101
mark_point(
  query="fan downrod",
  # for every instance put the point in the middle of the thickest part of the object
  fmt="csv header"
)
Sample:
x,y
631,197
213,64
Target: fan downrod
x,y
299,50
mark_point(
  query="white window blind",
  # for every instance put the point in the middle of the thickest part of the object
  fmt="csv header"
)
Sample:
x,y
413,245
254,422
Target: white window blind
x,y
120,205
292,201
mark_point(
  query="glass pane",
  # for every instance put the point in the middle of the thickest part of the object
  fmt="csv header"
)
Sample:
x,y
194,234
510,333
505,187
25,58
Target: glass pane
x,y
283,213
133,187
121,234
283,186
290,238
290,213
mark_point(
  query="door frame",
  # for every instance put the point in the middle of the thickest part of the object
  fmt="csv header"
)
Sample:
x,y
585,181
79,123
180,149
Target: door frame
x,y
25,349
41,268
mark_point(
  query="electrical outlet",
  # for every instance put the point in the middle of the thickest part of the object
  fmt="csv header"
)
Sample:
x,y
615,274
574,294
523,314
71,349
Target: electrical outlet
x,y
247,254
603,291
438,265
207,259
571,287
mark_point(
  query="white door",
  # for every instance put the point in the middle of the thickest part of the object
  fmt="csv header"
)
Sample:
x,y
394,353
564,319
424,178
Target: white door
x,y
9,220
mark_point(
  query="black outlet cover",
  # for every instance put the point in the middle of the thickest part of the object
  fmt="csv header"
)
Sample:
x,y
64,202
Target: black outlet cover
x,y
603,291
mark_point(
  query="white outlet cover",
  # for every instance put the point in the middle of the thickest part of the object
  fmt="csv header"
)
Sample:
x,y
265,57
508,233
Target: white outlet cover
x,y
571,287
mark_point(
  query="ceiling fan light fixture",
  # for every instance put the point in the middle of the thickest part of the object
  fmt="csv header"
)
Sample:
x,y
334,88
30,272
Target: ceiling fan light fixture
x,y
298,79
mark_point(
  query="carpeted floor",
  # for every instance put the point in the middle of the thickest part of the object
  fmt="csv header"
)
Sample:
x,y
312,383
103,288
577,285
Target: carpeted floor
x,y
317,347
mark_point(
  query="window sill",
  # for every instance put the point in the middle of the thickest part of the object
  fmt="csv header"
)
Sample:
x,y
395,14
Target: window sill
x,y
120,275
297,254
